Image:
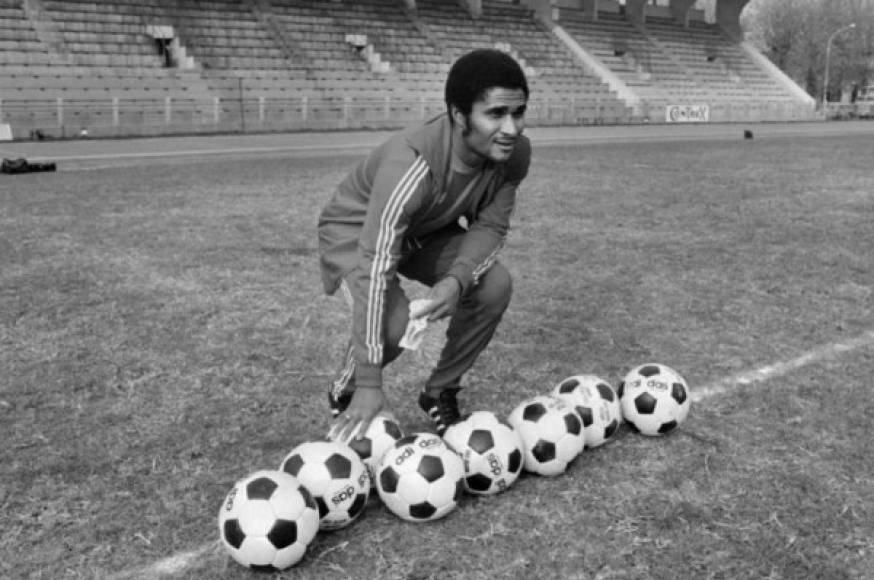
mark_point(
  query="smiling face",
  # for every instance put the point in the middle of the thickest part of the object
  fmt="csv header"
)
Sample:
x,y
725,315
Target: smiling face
x,y
493,127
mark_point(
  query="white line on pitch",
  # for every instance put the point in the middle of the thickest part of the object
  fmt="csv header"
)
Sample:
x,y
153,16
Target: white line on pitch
x,y
172,565
178,563
782,368
205,152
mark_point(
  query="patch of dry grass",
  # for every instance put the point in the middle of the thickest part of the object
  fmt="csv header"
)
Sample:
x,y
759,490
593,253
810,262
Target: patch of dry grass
x,y
163,333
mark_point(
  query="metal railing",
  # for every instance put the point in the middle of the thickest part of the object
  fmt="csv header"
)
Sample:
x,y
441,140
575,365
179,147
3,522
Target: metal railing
x,y
119,116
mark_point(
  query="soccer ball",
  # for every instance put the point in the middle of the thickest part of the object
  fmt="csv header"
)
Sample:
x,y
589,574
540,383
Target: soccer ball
x,y
382,433
596,403
490,449
654,398
419,478
551,433
267,521
336,478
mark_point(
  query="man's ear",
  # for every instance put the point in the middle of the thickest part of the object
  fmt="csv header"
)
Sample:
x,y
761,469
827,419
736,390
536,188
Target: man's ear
x,y
458,117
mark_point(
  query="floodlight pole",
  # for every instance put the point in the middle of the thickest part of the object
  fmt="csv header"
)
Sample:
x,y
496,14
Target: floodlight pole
x,y
828,52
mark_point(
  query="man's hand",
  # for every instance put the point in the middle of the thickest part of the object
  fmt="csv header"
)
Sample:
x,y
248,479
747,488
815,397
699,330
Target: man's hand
x,y
365,404
442,299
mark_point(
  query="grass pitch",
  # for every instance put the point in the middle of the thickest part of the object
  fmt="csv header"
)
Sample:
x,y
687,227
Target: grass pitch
x,y
163,333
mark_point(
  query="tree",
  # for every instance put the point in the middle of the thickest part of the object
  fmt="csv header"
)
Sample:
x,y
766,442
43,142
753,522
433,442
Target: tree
x,y
794,35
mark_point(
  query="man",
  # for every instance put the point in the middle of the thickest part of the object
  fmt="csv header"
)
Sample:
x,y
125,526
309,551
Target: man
x,y
399,212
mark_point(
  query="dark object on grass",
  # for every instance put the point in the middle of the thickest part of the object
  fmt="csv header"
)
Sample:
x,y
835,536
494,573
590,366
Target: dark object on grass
x,y
748,134
21,165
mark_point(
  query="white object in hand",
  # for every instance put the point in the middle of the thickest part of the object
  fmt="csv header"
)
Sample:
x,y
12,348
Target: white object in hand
x,y
417,325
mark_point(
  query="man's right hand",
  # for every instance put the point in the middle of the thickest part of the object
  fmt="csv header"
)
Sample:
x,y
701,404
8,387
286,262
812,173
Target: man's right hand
x,y
365,404
442,300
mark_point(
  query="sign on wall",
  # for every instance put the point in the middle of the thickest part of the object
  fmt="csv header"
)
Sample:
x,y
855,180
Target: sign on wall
x,y
687,113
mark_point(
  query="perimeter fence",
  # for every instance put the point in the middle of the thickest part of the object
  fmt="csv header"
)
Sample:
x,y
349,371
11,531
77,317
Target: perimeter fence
x,y
120,116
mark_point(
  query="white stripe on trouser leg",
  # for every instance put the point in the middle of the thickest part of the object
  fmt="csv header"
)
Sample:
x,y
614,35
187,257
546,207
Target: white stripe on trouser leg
x,y
347,294
348,371
345,375
382,260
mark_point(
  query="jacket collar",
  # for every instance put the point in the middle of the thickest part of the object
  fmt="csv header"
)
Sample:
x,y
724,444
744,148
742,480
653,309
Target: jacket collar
x,y
433,141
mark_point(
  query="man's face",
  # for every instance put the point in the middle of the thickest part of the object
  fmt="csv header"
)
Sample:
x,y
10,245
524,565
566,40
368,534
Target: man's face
x,y
493,127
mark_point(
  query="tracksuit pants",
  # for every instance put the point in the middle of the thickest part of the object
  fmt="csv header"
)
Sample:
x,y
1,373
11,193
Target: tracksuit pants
x,y
472,325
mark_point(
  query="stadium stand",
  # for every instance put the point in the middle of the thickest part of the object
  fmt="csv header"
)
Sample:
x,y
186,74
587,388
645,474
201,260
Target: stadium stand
x,y
666,62
95,65
19,43
555,72
119,67
615,41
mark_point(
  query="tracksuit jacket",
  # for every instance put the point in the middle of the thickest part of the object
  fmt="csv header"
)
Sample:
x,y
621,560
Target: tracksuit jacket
x,y
391,198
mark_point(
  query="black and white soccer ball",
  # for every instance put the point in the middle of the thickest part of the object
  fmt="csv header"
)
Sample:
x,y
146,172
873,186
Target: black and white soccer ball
x,y
420,478
336,478
596,403
267,521
654,398
490,449
551,433
381,434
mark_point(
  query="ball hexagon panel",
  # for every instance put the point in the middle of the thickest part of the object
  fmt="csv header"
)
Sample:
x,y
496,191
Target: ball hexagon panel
x,y
233,533
586,415
649,370
678,392
572,423
261,488
293,464
407,439
543,451
256,518
645,403
412,488
447,486
514,464
259,551
282,534
339,467
481,440
422,511
388,479
568,385
606,391
430,468
533,412
478,482
288,556
290,503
